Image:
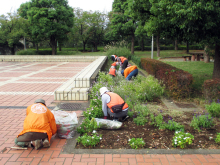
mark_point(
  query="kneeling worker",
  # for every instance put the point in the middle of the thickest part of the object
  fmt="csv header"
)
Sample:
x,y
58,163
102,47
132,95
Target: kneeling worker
x,y
112,71
39,126
113,105
129,72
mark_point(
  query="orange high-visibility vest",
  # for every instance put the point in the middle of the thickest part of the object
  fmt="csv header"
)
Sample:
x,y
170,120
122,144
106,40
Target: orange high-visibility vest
x,y
112,71
115,99
122,59
39,119
129,69
114,64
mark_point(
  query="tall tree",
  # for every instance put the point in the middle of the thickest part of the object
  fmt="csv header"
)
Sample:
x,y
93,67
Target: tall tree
x,y
50,19
201,18
122,22
11,30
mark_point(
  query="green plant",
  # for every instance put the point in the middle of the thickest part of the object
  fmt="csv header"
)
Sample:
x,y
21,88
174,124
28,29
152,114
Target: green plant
x,y
182,139
136,143
205,121
87,140
141,110
214,109
87,126
157,121
174,126
130,113
217,139
140,120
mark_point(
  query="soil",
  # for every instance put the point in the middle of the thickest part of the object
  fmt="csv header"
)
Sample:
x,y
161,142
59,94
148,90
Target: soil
x,y
155,138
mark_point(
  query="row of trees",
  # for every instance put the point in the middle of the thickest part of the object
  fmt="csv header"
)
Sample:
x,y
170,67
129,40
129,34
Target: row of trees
x,y
56,22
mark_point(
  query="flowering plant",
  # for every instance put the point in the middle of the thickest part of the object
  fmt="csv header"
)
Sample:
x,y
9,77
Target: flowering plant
x,y
136,143
182,139
87,126
87,140
217,139
199,121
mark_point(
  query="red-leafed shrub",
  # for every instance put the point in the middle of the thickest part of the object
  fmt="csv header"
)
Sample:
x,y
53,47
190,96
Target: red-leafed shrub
x,y
211,89
178,82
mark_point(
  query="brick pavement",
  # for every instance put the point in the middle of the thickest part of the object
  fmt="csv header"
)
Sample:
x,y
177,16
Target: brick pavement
x,y
23,82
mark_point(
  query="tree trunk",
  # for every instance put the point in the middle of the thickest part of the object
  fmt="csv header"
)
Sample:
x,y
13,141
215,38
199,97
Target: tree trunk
x,y
142,44
206,55
187,47
60,47
158,45
84,46
13,50
37,47
176,45
132,43
216,71
53,44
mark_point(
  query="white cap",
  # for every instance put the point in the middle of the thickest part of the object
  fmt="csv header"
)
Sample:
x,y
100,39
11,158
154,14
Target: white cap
x,y
102,90
113,67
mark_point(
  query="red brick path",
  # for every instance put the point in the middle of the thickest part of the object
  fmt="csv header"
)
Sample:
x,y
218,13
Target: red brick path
x,y
22,83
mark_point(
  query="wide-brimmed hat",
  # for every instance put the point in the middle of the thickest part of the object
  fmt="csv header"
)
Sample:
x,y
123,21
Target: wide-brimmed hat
x,y
102,90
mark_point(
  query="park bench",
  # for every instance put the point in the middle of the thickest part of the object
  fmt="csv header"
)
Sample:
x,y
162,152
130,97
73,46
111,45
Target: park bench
x,y
187,57
78,86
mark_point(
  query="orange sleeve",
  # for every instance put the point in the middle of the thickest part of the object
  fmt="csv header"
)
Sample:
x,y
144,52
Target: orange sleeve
x,y
53,125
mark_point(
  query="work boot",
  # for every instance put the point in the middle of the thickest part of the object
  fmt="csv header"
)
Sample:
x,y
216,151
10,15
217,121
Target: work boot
x,y
124,118
46,143
37,144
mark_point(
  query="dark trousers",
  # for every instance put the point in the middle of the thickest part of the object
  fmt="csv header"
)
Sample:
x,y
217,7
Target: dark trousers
x,y
31,136
125,64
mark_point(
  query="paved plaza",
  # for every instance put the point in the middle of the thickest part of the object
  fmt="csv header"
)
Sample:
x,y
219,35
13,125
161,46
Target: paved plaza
x,y
21,83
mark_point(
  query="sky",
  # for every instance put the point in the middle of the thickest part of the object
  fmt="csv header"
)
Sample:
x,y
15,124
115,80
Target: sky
x,y
94,5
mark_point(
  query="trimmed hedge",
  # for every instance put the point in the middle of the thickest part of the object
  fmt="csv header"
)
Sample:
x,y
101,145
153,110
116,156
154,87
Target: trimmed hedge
x,y
180,47
177,82
211,89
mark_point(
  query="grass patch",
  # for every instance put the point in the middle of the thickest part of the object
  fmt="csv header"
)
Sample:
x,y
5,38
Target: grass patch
x,y
200,71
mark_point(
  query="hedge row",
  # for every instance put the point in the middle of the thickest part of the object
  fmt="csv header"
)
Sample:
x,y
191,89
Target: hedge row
x,y
177,82
191,47
211,89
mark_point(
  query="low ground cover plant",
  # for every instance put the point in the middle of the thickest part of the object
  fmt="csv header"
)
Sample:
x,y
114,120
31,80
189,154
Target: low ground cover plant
x,y
214,108
88,140
217,139
202,121
87,126
136,143
182,139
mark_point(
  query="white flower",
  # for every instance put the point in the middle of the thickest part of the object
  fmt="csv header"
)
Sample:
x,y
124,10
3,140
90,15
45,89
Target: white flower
x,y
92,137
129,140
94,131
87,140
100,138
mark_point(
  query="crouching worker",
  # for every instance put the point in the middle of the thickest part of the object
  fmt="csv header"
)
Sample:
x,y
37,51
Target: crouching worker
x,y
113,105
129,72
112,71
39,126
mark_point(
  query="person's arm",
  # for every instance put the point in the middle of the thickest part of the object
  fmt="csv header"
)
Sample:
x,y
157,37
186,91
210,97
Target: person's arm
x,y
105,100
53,125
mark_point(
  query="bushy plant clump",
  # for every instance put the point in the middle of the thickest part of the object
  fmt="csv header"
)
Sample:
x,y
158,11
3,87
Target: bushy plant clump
x,y
214,109
136,143
217,139
87,126
202,121
182,139
87,140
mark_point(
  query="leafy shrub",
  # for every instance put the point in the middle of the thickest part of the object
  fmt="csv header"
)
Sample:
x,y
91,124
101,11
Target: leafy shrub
x,y
205,121
217,139
182,139
130,113
141,110
157,121
121,51
140,120
136,60
136,143
174,126
68,52
211,89
87,140
87,126
178,82
214,109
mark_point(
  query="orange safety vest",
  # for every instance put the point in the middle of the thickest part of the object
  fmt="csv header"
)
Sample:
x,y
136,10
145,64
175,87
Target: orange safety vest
x,y
112,71
115,99
114,64
129,69
39,119
122,59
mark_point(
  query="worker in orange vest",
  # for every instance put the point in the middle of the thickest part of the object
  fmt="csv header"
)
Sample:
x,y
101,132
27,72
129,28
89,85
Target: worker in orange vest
x,y
123,61
113,105
129,72
113,57
112,71
39,126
